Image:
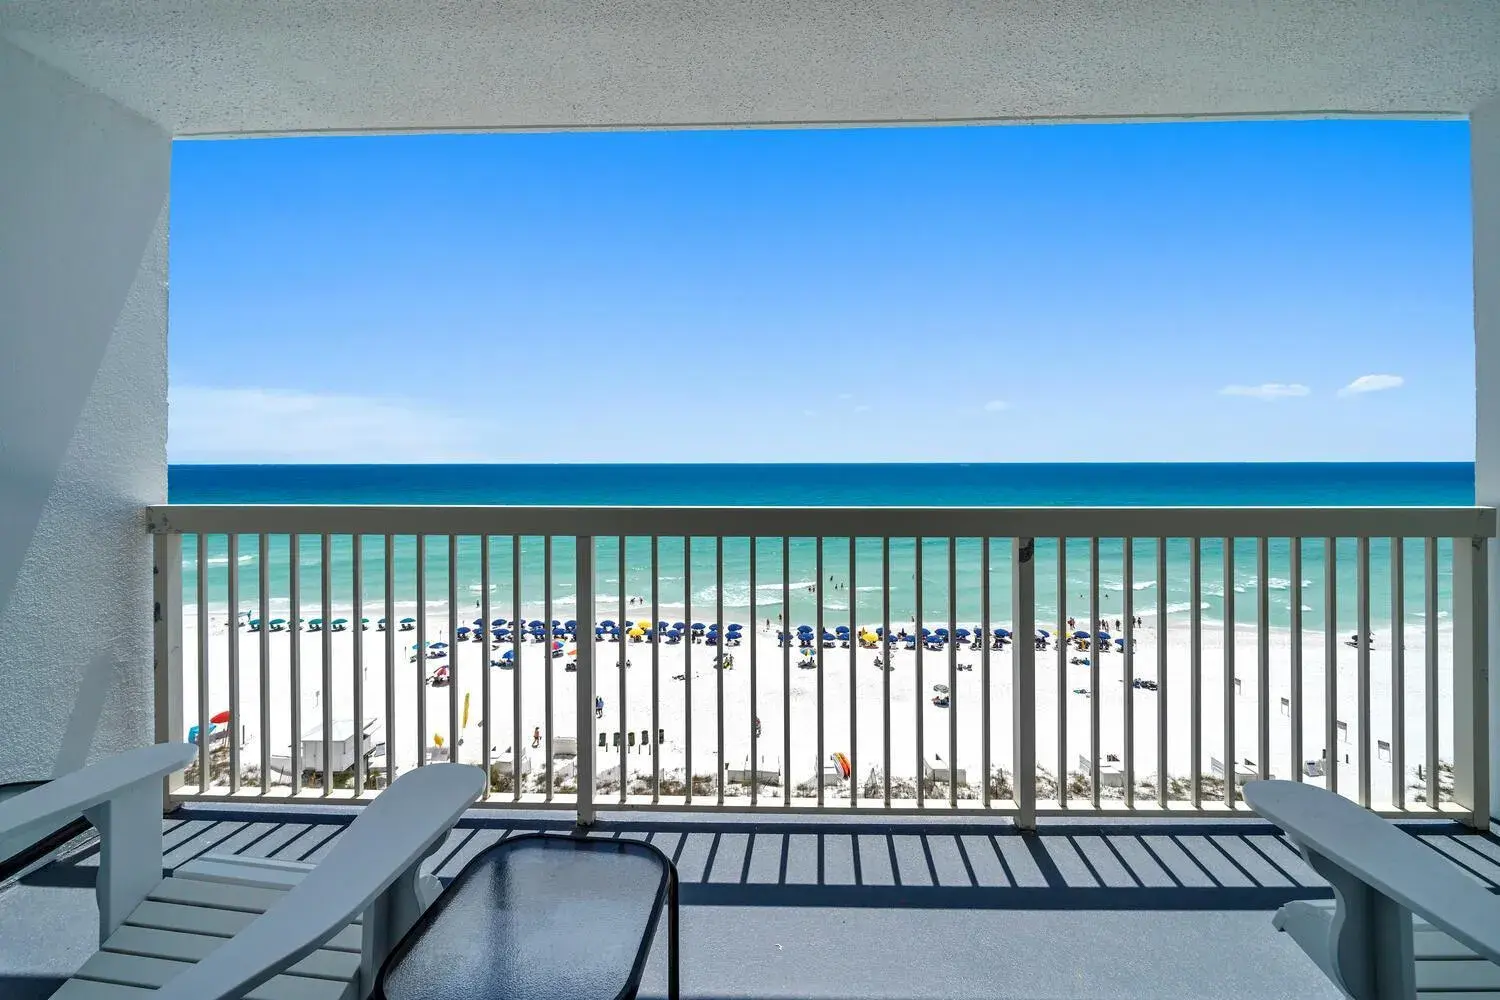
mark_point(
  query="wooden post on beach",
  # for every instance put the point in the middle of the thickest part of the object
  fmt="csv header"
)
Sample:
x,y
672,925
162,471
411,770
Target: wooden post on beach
x,y
584,700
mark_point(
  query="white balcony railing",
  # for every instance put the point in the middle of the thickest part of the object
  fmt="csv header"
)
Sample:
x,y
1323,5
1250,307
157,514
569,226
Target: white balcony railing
x,y
1165,655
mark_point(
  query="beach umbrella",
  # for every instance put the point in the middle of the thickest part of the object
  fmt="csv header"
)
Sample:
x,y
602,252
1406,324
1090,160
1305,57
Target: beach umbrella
x,y
1119,642
556,623
278,621
962,633
438,645
941,631
570,625
636,633
1044,633
408,621
557,645
840,629
509,654
1002,632
599,629
315,621
829,637
573,651
679,626
498,622
537,623
609,623
219,718
643,624
735,628
461,631
1104,636
940,688
479,622
341,621
697,626
1080,635
675,633
662,626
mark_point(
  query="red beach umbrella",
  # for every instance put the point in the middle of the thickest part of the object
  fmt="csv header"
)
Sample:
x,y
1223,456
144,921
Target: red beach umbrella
x,y
219,719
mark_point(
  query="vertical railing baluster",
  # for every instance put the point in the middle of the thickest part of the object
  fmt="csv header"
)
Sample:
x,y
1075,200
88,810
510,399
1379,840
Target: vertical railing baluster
x,y
1294,696
786,672
1195,673
486,644
719,647
655,670
1263,660
687,670
887,652
754,690
326,607
1065,641
921,647
204,710
421,650
625,628
1023,691
818,590
1096,653
236,725
984,669
585,689
952,672
585,621
1330,663
263,571
1162,779
1231,754
455,724
294,615
357,667
854,643
1127,755
389,558
1471,696
1128,598
583,700
1430,649
1398,673
1362,660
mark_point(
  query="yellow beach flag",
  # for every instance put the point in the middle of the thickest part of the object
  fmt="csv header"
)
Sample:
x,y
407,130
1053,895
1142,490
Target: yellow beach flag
x,y
466,709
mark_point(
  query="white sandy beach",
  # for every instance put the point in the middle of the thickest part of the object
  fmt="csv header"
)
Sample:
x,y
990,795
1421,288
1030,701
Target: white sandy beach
x,y
908,698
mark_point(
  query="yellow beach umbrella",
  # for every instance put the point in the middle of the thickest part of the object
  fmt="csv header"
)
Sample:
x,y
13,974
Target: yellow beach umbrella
x,y
636,633
643,624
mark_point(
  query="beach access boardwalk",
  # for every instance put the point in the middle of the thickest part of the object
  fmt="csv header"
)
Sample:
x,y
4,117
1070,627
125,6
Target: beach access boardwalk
x,y
835,909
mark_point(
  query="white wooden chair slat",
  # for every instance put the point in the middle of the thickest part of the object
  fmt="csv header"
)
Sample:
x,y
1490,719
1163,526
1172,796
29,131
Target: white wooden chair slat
x,y
246,871
218,923
87,989
184,946
154,973
216,895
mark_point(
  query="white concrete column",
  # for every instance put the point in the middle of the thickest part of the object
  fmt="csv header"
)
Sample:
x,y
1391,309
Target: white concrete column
x,y
1484,137
83,412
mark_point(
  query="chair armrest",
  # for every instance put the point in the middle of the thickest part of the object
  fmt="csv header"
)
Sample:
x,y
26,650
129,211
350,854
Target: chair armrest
x,y
371,870
1331,829
121,797
34,814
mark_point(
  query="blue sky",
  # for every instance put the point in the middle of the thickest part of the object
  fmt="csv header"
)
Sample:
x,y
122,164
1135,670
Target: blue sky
x,y
1183,292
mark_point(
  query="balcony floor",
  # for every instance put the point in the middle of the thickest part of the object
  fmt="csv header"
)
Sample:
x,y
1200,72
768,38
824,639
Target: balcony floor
x,y
830,908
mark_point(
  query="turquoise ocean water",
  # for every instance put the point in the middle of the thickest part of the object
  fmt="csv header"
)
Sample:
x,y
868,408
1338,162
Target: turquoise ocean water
x,y
688,591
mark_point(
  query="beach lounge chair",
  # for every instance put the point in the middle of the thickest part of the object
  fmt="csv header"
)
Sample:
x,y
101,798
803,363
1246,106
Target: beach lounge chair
x,y
1404,921
219,927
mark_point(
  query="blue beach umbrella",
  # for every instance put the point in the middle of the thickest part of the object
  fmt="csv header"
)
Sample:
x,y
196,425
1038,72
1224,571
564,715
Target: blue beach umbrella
x,y
608,623
570,625
735,628
461,631
1104,636
599,630
438,645
1080,635
479,622
962,633
697,626
1002,632
679,626
556,623
498,622
537,623
841,629
509,654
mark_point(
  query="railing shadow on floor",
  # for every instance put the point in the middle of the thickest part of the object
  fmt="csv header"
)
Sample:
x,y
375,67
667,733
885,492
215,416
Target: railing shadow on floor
x,y
1153,865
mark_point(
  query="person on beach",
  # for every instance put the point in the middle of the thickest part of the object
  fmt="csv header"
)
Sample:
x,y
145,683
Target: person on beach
x,y
536,737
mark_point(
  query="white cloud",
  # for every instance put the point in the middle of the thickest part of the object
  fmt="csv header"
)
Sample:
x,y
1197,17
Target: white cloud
x,y
1372,383
996,405
215,424
809,413
862,408
1267,390
846,395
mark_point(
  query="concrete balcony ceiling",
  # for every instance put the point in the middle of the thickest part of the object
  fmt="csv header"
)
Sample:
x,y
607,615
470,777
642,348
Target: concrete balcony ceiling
x,y
223,66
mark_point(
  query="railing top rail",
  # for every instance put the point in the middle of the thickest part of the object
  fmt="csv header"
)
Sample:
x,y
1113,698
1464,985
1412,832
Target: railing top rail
x,y
895,522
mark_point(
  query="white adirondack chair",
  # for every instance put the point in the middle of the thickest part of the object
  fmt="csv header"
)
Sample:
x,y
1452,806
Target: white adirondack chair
x,y
1404,922
226,928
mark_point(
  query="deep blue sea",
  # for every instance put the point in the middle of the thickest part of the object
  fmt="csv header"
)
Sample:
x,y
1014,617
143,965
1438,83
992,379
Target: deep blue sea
x,y
689,591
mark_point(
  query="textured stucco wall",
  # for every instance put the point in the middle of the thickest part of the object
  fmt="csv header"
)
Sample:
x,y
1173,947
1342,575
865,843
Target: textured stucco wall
x,y
83,408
